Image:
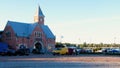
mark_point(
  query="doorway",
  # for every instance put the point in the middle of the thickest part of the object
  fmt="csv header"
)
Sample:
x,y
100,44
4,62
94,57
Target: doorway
x,y
38,48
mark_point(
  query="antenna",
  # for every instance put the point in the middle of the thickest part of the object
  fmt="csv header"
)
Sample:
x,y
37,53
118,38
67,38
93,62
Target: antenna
x,y
36,2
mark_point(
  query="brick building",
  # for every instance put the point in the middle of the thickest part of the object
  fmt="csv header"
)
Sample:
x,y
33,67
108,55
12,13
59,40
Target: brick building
x,y
1,36
34,36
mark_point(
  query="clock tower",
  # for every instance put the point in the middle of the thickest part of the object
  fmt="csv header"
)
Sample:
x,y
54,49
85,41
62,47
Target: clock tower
x,y
39,16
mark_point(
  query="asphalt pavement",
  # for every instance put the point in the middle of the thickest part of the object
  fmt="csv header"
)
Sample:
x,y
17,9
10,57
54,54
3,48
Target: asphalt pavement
x,y
63,61
46,64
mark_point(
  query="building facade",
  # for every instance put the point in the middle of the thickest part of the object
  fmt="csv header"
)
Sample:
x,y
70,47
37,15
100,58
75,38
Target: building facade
x,y
34,36
1,36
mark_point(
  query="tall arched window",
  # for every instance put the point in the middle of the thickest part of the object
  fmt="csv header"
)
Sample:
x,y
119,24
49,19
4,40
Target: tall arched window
x,y
38,34
8,34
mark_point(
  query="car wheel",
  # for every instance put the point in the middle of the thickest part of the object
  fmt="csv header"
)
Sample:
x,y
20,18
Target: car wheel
x,y
54,54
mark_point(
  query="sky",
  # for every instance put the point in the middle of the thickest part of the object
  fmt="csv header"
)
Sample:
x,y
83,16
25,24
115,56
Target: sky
x,y
71,21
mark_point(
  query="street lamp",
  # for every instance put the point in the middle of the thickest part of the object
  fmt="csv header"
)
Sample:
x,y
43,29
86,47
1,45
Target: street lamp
x,y
61,39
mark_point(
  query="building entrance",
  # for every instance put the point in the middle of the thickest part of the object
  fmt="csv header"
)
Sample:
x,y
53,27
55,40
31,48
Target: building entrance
x,y
38,48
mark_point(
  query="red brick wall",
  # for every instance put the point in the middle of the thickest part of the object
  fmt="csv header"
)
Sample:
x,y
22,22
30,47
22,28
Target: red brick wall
x,y
15,41
10,40
43,35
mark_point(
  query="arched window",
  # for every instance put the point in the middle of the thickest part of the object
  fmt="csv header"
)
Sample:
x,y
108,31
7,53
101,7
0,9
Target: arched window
x,y
38,34
8,33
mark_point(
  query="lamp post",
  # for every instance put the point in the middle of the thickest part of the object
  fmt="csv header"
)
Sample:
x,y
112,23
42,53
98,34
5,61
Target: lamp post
x,y
61,39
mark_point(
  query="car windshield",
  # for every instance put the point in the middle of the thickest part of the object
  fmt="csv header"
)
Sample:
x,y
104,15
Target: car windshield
x,y
57,48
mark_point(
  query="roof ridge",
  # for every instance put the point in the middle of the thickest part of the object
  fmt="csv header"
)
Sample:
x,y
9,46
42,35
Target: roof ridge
x,y
18,22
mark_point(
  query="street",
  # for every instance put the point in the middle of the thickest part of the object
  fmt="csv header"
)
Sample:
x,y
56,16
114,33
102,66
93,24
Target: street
x,y
46,64
63,61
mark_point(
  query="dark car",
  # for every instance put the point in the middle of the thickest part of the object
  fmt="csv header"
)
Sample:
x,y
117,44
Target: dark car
x,y
3,48
11,52
3,52
23,50
37,51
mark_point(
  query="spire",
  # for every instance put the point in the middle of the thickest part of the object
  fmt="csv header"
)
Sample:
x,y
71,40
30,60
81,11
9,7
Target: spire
x,y
39,16
39,12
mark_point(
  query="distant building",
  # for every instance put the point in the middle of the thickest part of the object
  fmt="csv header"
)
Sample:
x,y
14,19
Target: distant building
x,y
34,36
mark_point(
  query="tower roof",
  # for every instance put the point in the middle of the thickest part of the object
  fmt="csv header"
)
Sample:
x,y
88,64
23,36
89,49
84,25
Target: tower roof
x,y
39,12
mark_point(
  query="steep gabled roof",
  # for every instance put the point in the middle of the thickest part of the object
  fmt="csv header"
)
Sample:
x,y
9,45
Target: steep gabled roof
x,y
25,30
47,32
21,29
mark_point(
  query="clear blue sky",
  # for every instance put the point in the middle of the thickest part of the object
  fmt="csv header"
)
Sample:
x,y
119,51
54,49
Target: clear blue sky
x,y
78,21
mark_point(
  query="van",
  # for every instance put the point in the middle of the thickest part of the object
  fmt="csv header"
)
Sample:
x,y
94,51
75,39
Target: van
x,y
60,51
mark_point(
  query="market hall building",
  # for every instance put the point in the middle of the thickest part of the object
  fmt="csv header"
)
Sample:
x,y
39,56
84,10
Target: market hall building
x,y
33,36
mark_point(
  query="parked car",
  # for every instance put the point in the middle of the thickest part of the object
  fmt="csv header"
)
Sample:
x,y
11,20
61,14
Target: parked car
x,y
72,50
3,48
11,52
111,51
82,51
88,51
37,51
23,50
60,51
114,51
